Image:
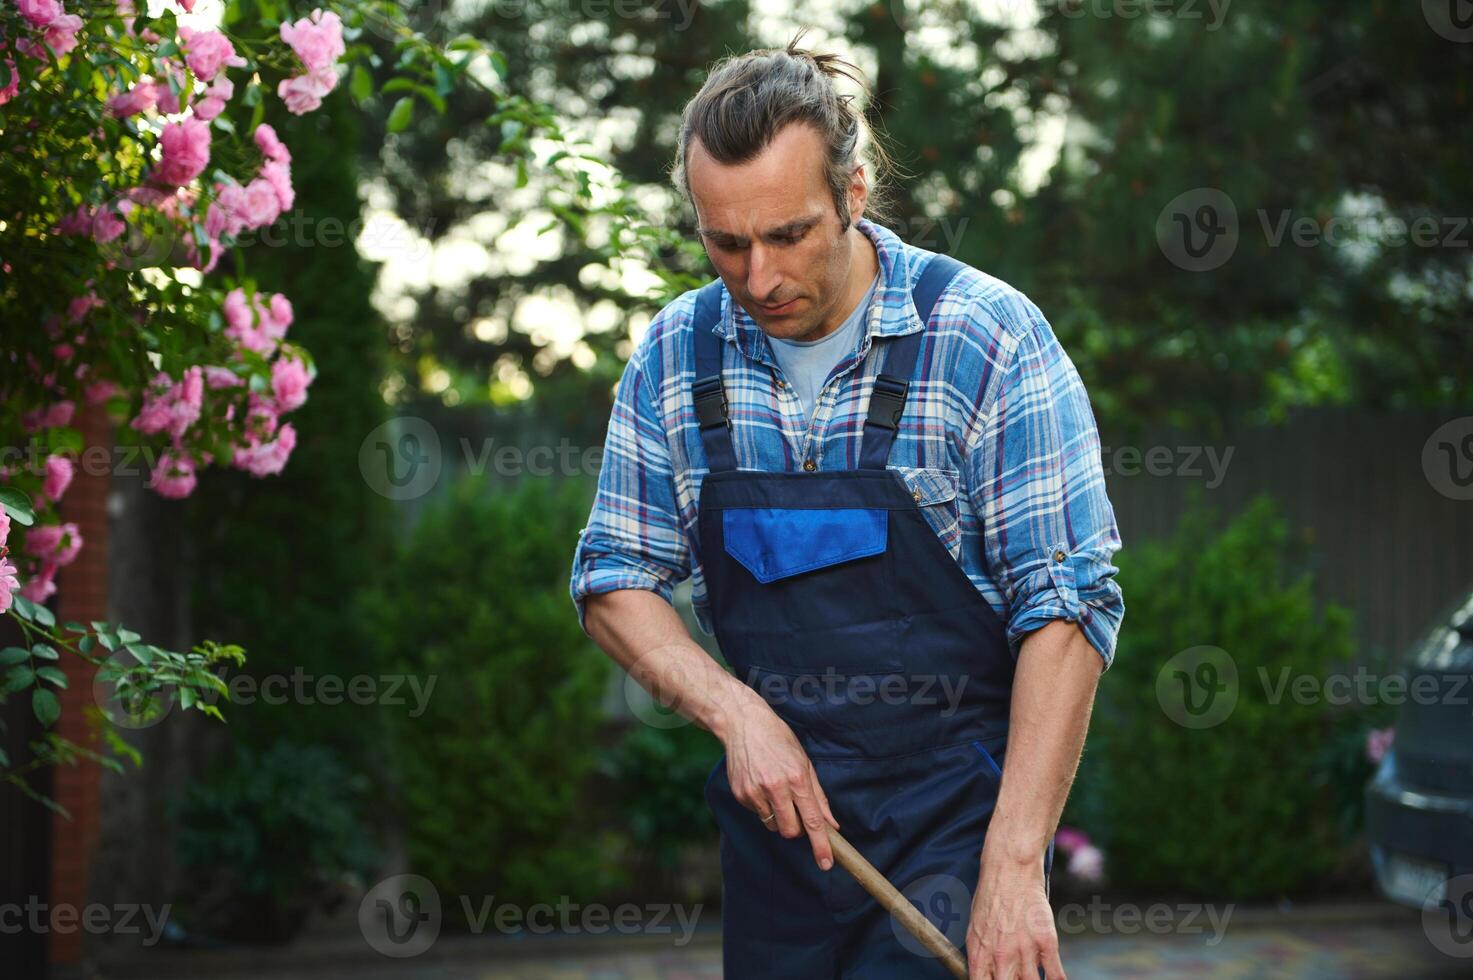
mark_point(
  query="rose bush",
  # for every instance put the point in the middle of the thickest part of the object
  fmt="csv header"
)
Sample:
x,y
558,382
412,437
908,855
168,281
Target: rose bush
x,y
134,158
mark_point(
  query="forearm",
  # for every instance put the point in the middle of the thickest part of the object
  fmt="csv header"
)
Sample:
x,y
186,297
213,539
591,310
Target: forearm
x,y
1053,695
645,636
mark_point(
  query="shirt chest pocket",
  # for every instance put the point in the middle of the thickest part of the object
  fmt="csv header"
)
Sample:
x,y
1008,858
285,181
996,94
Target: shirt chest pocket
x,y
934,489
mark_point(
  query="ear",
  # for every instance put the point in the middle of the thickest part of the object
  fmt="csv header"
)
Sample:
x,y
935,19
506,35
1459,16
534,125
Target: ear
x,y
858,192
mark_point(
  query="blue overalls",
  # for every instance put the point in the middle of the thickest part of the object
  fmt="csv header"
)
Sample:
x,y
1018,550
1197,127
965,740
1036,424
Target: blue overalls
x,y
834,599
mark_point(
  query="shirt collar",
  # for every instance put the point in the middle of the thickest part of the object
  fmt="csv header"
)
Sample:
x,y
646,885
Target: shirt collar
x,y
892,312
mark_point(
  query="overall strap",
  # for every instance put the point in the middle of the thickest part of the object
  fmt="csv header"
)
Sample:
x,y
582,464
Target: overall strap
x,y
887,400
710,397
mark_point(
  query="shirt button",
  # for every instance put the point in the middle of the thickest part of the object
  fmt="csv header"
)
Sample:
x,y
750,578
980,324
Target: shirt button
x,y
916,495
780,382
810,465
1059,556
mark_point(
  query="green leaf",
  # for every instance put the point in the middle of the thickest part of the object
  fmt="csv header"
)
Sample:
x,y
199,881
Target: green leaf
x,y
14,655
401,114
143,651
26,609
4,760
44,651
360,84
45,705
53,675
128,636
17,505
19,678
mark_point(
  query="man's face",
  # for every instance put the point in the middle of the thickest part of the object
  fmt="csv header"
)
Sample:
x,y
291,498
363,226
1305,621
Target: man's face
x,y
770,230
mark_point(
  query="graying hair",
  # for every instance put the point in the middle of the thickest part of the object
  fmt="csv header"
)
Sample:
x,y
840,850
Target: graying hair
x,y
748,98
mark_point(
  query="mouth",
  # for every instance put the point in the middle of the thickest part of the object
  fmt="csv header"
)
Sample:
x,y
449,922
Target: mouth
x,y
778,310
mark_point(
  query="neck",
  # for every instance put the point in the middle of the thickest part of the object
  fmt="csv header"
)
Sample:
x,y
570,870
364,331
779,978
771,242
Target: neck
x,y
862,270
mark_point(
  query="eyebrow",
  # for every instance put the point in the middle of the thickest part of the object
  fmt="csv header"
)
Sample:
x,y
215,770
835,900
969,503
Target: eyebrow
x,y
796,225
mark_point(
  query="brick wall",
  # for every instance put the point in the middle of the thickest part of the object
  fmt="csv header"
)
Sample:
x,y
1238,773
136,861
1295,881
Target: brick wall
x,y
81,595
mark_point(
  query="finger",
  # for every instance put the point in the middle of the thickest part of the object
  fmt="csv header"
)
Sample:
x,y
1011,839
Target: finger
x,y
813,822
1052,965
1028,962
787,822
823,798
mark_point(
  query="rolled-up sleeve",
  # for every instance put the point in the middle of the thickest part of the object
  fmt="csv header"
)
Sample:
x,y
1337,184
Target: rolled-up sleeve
x,y
633,539
1049,530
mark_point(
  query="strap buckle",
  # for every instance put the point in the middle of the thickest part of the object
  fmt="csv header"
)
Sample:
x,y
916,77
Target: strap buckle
x,y
887,402
710,399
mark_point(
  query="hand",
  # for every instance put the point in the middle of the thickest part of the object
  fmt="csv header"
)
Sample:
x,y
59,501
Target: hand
x,y
1011,933
770,774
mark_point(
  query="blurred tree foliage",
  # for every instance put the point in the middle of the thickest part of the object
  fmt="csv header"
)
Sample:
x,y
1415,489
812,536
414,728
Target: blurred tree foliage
x,y
1343,117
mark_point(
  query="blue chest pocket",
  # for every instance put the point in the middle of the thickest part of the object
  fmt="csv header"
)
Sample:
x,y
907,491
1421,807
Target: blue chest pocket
x,y
774,543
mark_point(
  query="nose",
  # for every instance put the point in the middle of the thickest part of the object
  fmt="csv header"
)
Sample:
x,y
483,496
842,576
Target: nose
x,y
763,274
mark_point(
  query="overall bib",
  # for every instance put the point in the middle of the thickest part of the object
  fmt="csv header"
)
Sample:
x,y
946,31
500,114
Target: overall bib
x,y
834,599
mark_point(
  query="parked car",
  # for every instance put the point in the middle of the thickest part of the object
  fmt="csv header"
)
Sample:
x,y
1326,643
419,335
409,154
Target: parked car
x,y
1419,805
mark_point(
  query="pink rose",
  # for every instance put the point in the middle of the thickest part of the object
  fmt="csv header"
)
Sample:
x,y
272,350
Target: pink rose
x,y
9,583
173,475
41,586
289,383
186,149
270,144
58,476
139,98
11,87
57,543
39,13
206,52
318,41
304,93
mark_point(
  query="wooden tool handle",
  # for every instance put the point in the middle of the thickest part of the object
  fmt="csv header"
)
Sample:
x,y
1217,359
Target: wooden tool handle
x,y
897,904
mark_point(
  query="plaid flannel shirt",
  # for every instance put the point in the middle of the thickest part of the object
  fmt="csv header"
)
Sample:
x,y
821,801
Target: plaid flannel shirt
x,y
998,445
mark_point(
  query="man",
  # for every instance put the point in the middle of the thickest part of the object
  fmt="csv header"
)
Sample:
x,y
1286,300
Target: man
x,y
896,524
